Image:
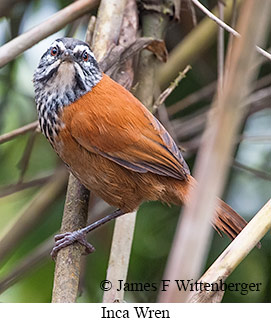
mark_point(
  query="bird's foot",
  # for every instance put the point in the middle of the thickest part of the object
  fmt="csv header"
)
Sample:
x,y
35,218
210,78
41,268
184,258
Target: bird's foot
x,y
65,239
68,238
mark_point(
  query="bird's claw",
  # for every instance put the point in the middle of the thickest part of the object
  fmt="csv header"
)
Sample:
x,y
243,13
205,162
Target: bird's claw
x,y
65,239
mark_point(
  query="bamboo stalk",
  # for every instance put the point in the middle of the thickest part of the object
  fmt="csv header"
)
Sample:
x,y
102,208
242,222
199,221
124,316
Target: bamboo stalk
x,y
234,254
193,233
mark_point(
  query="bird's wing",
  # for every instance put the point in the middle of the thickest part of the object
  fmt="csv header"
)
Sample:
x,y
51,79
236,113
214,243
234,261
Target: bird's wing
x,y
125,132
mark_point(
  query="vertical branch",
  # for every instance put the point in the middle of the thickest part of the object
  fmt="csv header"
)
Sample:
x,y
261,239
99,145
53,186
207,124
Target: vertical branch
x,y
120,256
67,270
193,233
107,26
154,25
124,226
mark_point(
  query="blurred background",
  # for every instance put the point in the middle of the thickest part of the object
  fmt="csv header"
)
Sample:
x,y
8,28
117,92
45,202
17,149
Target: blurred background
x,y
28,161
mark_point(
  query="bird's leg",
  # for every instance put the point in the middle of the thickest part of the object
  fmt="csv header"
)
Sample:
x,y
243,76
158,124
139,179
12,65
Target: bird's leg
x,y
66,239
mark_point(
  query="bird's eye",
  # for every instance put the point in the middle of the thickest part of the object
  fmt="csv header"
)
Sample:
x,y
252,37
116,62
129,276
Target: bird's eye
x,y
54,51
85,56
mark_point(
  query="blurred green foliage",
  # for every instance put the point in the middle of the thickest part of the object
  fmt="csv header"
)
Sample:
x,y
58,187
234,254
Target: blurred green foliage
x,y
156,223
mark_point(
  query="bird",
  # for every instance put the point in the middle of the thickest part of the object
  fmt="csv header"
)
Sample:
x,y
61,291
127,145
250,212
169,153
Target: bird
x,y
110,141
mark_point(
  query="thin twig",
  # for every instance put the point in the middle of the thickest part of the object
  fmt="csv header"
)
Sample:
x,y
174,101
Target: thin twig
x,y
14,188
201,94
24,161
253,171
27,264
190,125
262,95
208,90
191,146
163,96
227,27
17,132
193,124
215,18
260,138
32,214
262,82
57,21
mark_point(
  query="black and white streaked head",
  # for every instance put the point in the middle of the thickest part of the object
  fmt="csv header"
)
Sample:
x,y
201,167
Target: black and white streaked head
x,y
66,71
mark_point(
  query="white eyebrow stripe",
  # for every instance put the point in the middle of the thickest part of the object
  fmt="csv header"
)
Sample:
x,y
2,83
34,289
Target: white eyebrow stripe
x,y
59,44
81,48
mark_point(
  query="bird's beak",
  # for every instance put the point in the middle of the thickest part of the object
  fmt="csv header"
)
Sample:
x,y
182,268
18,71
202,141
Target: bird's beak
x,y
67,56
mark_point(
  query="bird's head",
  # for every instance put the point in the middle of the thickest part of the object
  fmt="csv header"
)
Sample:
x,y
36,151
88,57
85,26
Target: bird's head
x,y
66,71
